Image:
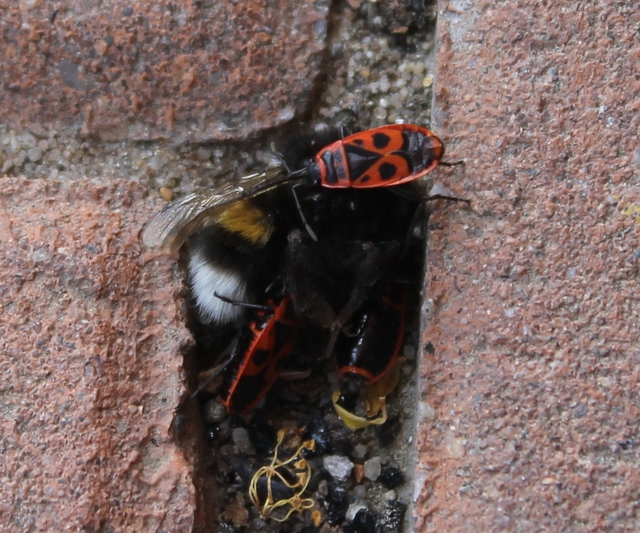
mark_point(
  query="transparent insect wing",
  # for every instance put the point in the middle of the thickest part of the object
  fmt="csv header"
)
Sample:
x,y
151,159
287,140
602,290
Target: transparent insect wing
x,y
183,217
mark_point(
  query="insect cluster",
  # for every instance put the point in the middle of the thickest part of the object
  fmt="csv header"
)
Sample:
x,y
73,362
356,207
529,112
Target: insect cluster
x,y
308,261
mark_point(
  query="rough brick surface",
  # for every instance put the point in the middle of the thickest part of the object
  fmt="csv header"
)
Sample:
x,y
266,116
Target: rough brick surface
x,y
535,308
194,71
90,366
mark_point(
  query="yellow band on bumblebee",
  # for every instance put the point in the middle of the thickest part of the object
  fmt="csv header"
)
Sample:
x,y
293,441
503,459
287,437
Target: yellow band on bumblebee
x,y
249,221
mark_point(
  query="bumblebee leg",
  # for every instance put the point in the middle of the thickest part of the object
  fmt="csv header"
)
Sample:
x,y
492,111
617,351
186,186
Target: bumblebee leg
x,y
369,272
205,384
301,213
244,305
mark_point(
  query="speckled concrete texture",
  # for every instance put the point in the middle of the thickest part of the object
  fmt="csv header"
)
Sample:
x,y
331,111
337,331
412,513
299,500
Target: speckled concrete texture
x,y
150,70
90,364
531,368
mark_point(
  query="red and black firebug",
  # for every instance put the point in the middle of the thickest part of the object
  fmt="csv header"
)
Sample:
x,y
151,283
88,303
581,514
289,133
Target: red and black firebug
x,y
381,157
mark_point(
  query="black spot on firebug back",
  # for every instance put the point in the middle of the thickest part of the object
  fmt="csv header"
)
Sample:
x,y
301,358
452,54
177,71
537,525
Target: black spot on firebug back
x,y
387,171
381,140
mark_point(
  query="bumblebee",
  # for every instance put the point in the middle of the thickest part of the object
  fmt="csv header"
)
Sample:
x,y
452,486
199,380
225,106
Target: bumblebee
x,y
236,235
235,256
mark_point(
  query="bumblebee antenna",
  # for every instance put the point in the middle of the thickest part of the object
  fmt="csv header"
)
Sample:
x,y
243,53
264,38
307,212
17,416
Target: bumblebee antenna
x,y
291,174
280,158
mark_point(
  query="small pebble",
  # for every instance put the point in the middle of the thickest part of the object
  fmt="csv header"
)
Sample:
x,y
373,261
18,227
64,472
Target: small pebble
x,y
380,113
241,440
358,472
391,477
155,162
53,155
323,488
390,496
214,411
27,140
34,154
392,517
354,508
359,491
359,451
338,466
20,158
372,468
409,353
166,194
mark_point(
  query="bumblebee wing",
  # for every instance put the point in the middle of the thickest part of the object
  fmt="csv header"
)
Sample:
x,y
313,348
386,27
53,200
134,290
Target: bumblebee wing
x,y
183,217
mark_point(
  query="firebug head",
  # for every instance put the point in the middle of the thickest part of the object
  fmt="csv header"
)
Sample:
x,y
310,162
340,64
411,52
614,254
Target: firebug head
x,y
313,173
